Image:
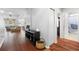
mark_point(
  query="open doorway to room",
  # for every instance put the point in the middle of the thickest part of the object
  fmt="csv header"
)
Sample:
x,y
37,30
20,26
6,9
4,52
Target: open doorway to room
x,y
73,27
58,27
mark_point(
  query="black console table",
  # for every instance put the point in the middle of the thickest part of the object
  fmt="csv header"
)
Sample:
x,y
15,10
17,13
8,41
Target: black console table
x,y
33,36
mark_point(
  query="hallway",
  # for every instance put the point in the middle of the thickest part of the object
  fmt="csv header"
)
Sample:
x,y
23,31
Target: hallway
x,y
17,42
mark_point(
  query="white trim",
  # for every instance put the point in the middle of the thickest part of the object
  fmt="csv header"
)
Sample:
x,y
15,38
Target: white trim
x,y
1,43
55,41
47,47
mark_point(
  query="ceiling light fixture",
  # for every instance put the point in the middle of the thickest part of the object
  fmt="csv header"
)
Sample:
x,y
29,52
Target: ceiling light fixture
x,y
1,11
10,13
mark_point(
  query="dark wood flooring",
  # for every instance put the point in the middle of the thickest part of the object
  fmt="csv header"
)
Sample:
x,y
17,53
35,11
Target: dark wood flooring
x,y
17,42
65,45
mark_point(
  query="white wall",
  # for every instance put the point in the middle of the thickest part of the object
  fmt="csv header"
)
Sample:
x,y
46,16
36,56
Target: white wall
x,y
63,25
44,20
2,31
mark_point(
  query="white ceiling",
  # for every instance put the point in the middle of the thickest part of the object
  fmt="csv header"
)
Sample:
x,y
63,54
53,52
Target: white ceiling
x,y
70,10
17,12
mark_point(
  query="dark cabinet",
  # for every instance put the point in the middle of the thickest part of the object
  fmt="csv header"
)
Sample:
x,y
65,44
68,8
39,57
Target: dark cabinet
x,y
33,36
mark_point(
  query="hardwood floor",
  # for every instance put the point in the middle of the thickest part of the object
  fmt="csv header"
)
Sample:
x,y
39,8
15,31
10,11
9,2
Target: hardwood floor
x,y
65,45
17,42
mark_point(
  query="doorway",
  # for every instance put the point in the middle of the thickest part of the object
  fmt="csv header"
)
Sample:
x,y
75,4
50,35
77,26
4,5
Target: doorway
x,y
73,27
58,28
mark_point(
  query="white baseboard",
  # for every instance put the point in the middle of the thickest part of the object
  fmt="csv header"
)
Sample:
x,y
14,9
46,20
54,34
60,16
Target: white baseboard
x,y
47,47
1,43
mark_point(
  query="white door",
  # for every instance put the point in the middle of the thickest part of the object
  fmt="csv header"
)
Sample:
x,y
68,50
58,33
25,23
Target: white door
x,y
52,27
